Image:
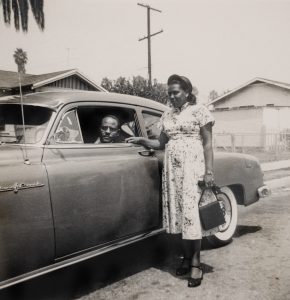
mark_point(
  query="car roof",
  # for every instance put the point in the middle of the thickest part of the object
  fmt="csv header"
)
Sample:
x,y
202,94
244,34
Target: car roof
x,y
56,99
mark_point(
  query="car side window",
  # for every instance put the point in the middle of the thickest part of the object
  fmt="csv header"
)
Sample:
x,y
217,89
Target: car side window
x,y
68,130
107,124
151,124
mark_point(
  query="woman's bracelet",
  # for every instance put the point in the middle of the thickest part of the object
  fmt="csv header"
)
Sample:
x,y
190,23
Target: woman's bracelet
x,y
209,173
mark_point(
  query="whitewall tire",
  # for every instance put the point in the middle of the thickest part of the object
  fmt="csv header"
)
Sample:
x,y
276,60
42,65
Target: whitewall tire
x,y
227,230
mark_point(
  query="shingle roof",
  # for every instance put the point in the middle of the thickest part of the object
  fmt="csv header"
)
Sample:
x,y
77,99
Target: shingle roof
x,y
9,79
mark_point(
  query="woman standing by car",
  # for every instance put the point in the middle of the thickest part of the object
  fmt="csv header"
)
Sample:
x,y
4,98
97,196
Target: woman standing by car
x,y
187,138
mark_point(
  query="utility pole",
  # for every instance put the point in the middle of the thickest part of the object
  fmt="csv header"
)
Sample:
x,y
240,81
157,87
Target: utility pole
x,y
148,37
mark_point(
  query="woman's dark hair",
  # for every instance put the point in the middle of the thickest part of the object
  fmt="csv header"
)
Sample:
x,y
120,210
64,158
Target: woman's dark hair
x,y
191,98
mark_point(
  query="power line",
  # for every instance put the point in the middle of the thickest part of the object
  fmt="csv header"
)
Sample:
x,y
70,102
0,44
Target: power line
x,y
148,37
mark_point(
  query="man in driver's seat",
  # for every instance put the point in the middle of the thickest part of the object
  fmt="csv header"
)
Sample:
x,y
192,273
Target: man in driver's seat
x,y
110,130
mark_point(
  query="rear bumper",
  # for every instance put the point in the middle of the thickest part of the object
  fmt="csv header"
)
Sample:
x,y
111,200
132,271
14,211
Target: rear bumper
x,y
264,191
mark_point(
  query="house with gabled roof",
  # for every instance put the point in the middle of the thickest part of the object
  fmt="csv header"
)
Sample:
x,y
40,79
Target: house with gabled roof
x,y
254,113
68,79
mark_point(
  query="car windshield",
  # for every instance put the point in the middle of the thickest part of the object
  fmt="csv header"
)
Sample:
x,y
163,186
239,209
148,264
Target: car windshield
x,y
11,128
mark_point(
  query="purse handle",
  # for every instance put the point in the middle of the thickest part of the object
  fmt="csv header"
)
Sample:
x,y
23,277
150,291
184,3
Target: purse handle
x,y
215,189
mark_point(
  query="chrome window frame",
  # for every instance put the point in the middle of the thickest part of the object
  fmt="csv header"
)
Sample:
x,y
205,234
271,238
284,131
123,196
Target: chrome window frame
x,y
100,104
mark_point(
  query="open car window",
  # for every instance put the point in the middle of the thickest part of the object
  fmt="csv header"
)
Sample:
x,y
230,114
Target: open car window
x,y
107,125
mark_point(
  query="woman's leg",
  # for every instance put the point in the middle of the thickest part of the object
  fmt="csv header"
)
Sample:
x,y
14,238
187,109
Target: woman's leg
x,y
187,253
195,262
187,257
191,251
187,247
196,247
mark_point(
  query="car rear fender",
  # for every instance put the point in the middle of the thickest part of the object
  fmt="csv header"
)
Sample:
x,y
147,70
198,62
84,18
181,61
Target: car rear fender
x,y
242,173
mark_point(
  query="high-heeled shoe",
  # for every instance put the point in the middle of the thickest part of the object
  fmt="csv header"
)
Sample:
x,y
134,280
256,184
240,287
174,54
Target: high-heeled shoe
x,y
194,282
183,270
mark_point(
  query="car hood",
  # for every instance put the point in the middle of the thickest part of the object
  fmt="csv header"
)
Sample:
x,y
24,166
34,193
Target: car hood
x,y
13,154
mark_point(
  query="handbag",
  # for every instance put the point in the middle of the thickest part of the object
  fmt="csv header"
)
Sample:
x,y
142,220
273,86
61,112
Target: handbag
x,y
211,215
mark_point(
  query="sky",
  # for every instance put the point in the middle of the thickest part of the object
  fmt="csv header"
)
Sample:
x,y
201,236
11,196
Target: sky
x,y
217,44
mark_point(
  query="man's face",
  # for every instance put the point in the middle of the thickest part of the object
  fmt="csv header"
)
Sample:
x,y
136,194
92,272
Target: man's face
x,y
109,130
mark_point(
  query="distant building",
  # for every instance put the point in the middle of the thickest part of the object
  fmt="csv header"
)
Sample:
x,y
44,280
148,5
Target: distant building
x,y
69,79
253,113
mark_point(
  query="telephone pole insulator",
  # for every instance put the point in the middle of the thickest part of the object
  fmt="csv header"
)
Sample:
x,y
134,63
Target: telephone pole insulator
x,y
148,37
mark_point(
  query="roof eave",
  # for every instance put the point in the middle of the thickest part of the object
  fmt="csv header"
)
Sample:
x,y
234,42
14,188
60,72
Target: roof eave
x,y
91,82
248,83
66,74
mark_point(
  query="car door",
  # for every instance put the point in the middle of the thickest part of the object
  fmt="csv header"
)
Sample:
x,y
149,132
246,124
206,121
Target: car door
x,y
100,193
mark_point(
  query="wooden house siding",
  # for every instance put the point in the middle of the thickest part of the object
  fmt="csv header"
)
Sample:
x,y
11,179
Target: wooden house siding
x,y
256,115
69,79
259,94
71,82
237,121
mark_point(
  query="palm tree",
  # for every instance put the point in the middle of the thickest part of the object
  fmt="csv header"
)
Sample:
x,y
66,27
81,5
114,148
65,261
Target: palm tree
x,y
20,10
21,59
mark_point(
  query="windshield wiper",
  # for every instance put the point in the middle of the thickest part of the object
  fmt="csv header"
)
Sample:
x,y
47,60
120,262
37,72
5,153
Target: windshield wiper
x,y
3,143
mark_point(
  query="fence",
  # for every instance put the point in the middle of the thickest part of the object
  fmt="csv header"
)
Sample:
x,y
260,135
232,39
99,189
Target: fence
x,y
275,144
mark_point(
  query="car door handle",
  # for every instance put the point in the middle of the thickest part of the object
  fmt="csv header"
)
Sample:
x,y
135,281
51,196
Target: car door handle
x,y
147,152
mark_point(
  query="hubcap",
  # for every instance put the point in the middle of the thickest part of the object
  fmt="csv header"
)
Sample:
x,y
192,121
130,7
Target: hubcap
x,y
227,210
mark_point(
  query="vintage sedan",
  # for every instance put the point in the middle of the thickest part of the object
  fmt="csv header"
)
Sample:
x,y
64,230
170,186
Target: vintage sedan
x,y
65,198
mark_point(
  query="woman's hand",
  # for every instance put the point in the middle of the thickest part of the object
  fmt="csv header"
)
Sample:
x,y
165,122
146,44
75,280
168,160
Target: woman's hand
x,y
134,140
208,179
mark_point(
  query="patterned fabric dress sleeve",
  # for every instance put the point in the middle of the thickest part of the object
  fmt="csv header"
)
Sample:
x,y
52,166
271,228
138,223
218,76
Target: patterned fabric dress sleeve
x,y
204,116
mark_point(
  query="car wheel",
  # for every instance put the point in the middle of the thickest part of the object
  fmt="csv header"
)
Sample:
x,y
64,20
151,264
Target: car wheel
x,y
229,205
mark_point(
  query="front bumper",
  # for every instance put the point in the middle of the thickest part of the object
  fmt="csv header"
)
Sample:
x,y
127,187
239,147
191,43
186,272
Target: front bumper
x,y
264,191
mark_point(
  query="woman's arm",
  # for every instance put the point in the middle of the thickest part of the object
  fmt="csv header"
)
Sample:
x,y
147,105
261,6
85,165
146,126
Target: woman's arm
x,y
206,134
153,144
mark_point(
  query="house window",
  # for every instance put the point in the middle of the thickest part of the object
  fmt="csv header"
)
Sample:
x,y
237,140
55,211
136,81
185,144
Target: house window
x,y
247,106
222,108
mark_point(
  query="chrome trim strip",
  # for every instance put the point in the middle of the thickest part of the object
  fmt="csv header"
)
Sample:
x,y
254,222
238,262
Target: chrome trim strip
x,y
91,146
42,271
79,125
20,186
264,191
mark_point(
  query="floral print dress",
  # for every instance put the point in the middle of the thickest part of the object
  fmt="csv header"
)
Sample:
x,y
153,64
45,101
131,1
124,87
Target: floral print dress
x,y
184,165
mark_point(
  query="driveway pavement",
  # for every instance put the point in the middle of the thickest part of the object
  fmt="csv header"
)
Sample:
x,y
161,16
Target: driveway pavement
x,y
255,266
